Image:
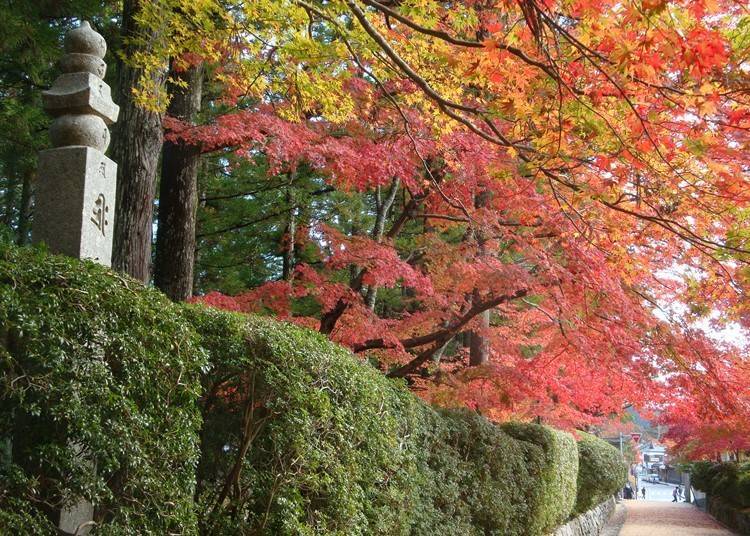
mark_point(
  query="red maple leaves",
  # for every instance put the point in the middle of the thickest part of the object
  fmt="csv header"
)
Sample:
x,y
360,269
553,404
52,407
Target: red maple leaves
x,y
591,186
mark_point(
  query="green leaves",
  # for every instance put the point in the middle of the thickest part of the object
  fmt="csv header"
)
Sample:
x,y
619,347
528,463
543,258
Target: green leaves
x,y
552,501
601,472
94,369
296,437
340,449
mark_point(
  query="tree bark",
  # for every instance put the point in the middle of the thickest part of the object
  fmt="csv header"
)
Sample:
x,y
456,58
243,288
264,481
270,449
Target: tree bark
x,y
479,346
440,337
9,202
290,235
178,195
137,140
24,209
383,208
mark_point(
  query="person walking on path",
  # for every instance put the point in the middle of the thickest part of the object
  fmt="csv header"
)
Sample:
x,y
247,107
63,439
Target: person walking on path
x,y
643,492
675,494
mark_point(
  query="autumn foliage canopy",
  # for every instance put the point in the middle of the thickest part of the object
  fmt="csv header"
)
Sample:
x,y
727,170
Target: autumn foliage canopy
x,y
558,195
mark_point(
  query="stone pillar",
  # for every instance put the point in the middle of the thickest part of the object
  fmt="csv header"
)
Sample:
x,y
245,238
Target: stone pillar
x,y
75,194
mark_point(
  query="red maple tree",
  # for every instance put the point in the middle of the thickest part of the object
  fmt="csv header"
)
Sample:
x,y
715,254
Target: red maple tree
x,y
577,169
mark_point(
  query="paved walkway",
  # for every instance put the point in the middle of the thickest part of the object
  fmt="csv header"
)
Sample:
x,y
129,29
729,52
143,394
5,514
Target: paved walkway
x,y
658,518
655,492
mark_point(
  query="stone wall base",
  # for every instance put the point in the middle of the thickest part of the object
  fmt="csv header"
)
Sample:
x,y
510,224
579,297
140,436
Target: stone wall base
x,y
589,523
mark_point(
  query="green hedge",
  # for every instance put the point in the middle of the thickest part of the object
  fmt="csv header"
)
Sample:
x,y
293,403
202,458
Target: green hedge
x,y
296,436
480,479
299,438
94,368
556,491
729,481
337,448
727,486
601,471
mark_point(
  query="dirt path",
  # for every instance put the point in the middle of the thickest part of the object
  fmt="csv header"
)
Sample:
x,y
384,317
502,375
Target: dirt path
x,y
659,518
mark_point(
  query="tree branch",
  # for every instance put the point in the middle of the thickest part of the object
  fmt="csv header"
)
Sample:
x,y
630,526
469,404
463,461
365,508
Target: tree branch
x,y
453,327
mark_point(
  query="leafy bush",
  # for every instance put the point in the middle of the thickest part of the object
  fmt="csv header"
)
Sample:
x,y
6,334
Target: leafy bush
x,y
727,486
555,493
299,438
480,479
700,474
601,471
93,369
729,481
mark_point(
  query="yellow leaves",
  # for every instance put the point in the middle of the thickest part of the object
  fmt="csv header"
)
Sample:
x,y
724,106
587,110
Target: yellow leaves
x,y
707,107
170,29
717,167
321,95
707,102
708,88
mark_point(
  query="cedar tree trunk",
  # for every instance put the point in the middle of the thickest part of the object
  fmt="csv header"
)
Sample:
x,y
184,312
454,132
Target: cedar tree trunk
x,y
178,195
137,139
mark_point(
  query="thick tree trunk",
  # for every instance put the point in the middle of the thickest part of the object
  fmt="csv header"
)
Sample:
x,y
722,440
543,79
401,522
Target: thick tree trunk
x,y
137,140
24,209
479,347
178,195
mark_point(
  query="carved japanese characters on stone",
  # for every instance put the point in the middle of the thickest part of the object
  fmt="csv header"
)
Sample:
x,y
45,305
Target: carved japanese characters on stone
x,y
101,208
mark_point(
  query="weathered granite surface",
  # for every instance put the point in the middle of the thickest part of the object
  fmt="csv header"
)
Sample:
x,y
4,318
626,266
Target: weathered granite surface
x,y
75,192
614,524
76,205
80,93
79,99
589,523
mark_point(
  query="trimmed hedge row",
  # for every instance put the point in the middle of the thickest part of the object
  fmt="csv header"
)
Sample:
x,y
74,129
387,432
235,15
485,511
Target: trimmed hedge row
x,y
554,498
203,421
298,437
337,448
727,488
601,472
94,369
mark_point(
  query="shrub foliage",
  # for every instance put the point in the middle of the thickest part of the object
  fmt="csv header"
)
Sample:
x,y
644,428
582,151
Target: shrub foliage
x,y
729,481
298,437
555,491
301,439
94,369
601,471
199,420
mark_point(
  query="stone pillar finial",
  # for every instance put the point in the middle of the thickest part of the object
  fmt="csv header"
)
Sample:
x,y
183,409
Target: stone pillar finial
x,y
79,99
75,194
85,51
